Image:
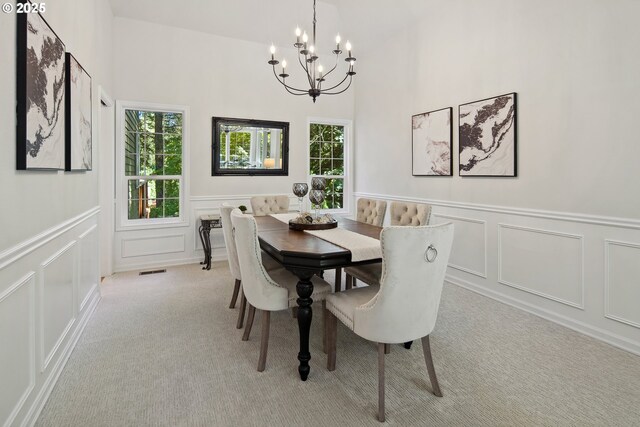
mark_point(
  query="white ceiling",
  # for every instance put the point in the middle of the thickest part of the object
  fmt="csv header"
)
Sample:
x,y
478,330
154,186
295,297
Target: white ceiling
x,y
363,22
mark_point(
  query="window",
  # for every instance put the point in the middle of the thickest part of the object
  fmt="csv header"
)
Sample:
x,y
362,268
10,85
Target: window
x,y
151,164
327,157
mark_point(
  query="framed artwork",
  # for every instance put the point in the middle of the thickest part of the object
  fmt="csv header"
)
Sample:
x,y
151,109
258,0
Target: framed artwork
x,y
431,141
78,117
40,95
487,137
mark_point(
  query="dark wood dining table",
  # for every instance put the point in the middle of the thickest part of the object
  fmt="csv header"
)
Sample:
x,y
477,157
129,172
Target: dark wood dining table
x,y
305,255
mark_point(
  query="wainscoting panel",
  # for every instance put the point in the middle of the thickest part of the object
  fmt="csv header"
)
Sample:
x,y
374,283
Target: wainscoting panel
x,y
88,266
622,282
17,338
544,263
57,301
469,252
578,270
152,245
42,280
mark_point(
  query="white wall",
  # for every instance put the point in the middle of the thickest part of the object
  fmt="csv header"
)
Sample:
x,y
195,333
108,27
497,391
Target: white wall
x,y
214,76
538,241
48,241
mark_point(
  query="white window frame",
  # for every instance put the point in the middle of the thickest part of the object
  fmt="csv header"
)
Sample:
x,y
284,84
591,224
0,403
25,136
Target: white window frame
x,y
123,223
348,160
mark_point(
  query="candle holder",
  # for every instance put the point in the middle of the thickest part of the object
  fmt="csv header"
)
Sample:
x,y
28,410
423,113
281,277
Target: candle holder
x,y
300,189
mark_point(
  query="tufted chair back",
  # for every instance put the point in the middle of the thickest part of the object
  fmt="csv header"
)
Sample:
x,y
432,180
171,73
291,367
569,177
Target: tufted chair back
x,y
414,214
414,263
266,205
371,211
229,241
259,289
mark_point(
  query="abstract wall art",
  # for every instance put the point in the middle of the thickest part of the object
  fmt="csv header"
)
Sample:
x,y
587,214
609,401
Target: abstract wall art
x,y
487,137
40,95
431,141
78,117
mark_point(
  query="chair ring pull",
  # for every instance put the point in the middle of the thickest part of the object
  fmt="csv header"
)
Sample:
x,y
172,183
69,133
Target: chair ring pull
x,y
431,253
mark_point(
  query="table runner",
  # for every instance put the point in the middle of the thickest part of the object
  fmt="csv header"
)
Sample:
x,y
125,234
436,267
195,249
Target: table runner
x,y
361,247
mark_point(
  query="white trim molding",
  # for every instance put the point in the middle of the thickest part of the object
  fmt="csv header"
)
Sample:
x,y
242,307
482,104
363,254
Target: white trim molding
x,y
482,274
607,281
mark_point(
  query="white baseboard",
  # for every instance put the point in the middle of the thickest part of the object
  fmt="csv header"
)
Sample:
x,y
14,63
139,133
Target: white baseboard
x,y
167,263
597,333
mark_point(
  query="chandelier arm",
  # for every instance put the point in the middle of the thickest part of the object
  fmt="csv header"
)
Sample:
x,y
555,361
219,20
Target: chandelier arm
x,y
334,67
339,84
343,90
289,88
304,67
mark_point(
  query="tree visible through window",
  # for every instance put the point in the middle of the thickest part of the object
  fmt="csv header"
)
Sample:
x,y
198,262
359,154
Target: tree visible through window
x,y
153,163
326,158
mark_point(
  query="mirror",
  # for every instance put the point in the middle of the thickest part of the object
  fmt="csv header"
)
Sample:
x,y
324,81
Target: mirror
x,y
250,147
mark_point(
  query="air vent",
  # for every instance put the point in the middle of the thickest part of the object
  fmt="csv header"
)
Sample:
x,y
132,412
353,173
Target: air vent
x,y
144,273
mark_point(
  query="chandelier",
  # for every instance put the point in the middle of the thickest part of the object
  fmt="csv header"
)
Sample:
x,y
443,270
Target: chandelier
x,y
310,64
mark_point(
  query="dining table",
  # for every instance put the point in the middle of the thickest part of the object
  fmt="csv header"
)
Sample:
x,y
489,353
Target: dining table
x,y
305,255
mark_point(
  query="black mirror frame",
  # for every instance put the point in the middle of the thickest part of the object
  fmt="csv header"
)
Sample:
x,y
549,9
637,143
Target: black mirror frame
x,y
215,147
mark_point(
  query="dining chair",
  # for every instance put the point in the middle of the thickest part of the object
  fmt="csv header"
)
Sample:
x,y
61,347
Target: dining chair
x,y
266,205
369,211
264,290
234,266
405,306
402,213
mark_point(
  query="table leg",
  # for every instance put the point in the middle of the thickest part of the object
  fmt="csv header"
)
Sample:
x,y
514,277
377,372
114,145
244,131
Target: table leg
x,y
200,233
207,238
304,288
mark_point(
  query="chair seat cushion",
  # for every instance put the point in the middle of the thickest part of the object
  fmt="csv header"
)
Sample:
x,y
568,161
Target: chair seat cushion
x,y
289,281
343,304
368,273
268,262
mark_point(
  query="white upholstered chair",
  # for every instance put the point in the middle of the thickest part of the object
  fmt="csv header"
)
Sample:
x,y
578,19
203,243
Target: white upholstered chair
x,y
368,211
405,306
266,205
232,256
401,213
265,291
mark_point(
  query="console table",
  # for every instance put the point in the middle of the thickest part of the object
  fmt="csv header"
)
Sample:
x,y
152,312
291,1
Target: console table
x,y
207,222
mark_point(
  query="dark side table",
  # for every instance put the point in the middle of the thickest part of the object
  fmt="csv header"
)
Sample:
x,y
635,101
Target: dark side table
x,y
207,222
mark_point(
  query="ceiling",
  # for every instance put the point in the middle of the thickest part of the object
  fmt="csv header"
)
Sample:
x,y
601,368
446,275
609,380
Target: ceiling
x,y
363,22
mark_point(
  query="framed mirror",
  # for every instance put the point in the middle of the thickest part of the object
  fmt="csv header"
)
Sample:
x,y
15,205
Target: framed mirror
x,y
249,147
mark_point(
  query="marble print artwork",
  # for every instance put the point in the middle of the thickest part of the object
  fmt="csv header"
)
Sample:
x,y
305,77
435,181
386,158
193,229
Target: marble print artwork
x,y
80,117
488,137
432,143
45,96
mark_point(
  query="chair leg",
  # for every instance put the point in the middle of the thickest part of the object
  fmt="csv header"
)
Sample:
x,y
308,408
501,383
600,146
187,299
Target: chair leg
x,y
264,341
294,312
349,282
234,297
338,284
325,324
332,329
387,348
426,349
381,353
247,327
243,306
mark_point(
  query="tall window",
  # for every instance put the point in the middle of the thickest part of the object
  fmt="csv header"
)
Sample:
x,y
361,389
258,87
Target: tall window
x,y
152,165
327,148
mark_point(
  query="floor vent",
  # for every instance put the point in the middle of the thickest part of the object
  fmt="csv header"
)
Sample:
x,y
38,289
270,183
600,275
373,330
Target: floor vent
x,y
144,273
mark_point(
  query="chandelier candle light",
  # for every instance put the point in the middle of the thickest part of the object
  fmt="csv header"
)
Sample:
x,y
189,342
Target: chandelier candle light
x,y
310,64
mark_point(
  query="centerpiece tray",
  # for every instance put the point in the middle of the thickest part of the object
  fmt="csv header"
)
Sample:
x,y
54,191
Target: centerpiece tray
x,y
302,227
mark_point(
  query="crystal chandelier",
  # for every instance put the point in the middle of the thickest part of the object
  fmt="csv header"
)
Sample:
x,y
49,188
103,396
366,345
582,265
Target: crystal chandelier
x,y
309,62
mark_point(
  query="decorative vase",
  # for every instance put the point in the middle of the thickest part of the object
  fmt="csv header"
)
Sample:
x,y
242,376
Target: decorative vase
x,y
300,189
316,197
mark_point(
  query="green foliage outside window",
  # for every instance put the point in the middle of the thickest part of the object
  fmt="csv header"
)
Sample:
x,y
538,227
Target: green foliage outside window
x,y
326,158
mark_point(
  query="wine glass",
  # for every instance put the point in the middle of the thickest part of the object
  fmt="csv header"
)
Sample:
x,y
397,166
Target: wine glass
x,y
300,189
318,183
316,197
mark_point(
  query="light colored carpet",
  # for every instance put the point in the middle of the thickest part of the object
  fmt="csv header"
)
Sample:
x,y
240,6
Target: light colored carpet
x,y
162,350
